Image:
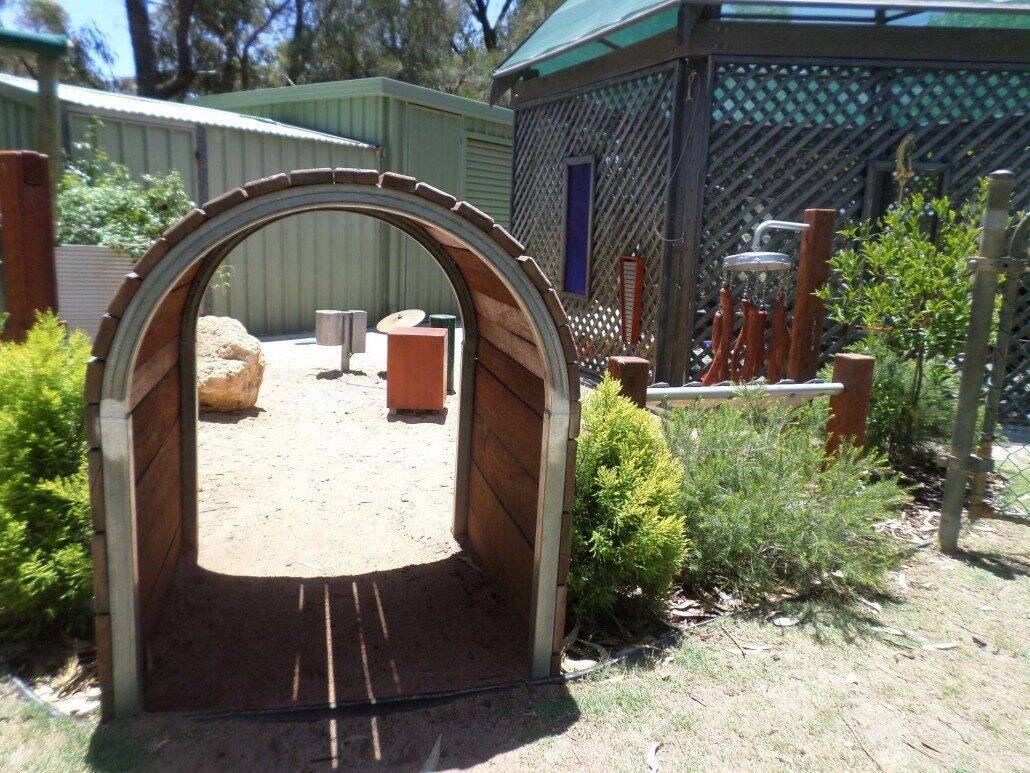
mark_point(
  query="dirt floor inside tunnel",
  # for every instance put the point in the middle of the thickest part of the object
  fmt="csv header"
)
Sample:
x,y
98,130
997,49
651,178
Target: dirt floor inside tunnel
x,y
326,571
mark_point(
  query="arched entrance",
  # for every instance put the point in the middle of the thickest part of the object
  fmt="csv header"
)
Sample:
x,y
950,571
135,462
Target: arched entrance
x,y
518,380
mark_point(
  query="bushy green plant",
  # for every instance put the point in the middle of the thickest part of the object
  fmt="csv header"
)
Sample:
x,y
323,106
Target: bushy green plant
x,y
100,202
45,570
766,511
627,532
904,282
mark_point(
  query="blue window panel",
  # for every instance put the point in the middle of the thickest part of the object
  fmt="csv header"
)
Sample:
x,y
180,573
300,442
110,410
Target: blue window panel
x,y
578,205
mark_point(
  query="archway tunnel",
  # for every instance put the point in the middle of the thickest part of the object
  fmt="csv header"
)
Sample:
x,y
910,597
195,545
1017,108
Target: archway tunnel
x,y
517,423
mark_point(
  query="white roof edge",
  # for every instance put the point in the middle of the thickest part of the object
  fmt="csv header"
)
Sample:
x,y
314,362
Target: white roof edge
x,y
157,110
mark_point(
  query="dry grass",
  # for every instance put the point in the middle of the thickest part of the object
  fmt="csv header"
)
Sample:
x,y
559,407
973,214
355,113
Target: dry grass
x,y
938,678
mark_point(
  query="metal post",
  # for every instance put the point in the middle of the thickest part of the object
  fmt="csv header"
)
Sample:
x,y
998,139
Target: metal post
x,y
985,285
999,363
346,340
448,322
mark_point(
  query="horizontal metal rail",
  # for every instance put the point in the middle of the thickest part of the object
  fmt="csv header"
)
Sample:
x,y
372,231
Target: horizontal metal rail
x,y
721,392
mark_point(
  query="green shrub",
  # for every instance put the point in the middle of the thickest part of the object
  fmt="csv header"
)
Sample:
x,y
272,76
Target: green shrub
x,y
45,570
767,512
100,202
891,415
627,532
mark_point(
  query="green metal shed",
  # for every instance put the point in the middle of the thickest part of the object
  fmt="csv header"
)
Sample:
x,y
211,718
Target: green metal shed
x,y
280,275
456,144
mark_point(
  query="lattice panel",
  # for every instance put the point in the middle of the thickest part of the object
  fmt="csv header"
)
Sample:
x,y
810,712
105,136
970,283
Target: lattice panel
x,y
786,137
626,128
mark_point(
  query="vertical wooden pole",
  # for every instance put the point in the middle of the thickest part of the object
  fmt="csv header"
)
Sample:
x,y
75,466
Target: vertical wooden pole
x,y
634,373
849,411
27,236
48,120
813,270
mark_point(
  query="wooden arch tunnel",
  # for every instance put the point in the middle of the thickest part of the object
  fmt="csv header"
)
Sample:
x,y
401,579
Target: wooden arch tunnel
x,y
519,407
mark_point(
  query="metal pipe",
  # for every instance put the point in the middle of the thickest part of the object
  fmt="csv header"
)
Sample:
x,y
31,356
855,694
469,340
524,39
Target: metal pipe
x,y
775,225
808,390
985,285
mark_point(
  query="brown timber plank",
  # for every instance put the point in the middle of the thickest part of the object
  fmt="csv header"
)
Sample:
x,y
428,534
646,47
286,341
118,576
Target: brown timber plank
x,y
509,419
519,349
527,385
148,374
152,608
152,420
506,554
505,315
514,488
479,276
165,325
161,532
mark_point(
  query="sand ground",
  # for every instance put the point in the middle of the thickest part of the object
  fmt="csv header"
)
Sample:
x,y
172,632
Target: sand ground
x,y
326,570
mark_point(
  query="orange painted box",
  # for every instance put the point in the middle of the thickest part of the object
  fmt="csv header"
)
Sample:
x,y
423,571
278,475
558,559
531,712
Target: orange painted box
x,y
416,369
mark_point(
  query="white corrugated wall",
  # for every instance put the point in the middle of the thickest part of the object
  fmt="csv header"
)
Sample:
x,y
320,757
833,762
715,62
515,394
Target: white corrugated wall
x,y
87,279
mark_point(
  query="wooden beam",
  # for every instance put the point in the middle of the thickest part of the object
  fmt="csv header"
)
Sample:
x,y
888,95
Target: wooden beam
x,y
806,335
859,42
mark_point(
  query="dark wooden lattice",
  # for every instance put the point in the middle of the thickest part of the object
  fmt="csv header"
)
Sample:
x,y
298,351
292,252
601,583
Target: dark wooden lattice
x,y
785,137
626,128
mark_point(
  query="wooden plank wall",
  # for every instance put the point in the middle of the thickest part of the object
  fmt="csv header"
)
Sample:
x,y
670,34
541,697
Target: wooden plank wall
x,y
507,434
157,452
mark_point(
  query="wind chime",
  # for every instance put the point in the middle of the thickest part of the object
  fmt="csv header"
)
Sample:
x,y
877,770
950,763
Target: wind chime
x,y
763,307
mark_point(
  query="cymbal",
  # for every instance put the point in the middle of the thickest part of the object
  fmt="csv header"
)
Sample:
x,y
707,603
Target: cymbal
x,y
406,318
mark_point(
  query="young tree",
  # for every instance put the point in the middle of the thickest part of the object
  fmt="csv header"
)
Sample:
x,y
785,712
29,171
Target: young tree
x,y
905,284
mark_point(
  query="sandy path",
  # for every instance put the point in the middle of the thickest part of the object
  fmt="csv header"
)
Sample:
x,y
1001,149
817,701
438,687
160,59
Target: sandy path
x,y
325,527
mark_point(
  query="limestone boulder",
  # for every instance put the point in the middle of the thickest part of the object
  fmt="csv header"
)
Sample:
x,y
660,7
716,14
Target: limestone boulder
x,y
230,365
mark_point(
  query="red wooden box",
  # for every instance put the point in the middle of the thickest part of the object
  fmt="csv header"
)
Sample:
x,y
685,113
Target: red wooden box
x,y
416,369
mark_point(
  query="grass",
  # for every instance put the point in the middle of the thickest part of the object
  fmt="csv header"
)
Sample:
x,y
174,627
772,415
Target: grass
x,y
840,689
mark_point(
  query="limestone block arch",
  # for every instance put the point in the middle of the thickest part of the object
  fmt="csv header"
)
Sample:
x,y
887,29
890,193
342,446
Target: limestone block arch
x,y
519,406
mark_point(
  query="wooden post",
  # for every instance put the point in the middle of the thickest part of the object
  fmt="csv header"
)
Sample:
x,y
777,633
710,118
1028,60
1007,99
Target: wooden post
x,y
48,119
849,411
634,373
813,270
26,240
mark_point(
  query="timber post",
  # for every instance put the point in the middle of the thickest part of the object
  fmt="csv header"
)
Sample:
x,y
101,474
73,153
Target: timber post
x,y
26,240
634,374
849,410
813,270
985,286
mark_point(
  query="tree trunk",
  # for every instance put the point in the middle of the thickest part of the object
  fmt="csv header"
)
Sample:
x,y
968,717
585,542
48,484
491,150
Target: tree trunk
x,y
142,47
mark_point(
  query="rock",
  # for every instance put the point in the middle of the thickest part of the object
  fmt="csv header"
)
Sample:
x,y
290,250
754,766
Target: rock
x,y
229,365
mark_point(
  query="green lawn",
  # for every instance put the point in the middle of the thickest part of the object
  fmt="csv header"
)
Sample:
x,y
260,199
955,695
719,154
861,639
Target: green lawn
x,y
939,677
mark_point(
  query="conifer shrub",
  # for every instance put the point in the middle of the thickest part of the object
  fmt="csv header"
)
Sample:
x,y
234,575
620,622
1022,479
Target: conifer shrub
x,y
45,569
767,512
627,531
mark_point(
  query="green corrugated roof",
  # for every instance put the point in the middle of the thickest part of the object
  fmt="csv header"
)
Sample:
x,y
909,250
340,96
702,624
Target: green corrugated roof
x,y
159,110
581,30
358,87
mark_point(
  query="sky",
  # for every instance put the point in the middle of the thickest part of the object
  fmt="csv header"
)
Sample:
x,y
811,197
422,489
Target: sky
x,y
109,16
